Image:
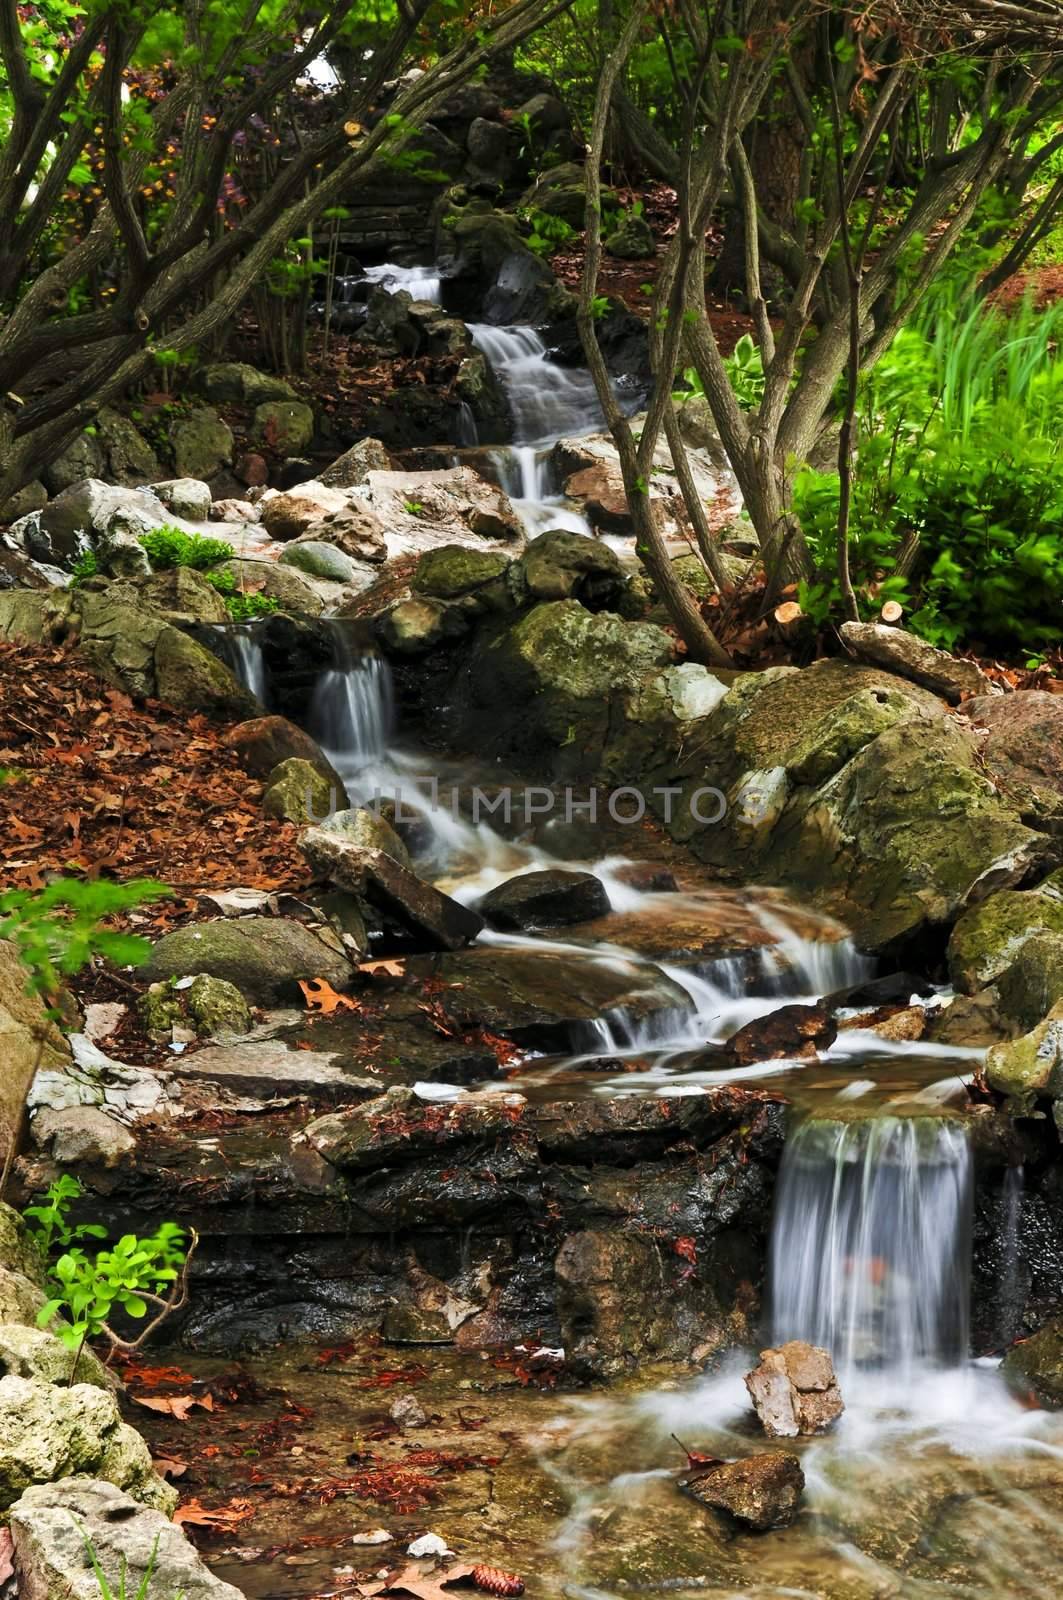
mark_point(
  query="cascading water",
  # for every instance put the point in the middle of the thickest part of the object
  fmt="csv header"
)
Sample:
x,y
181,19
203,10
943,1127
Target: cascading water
x,y
421,283
870,1254
240,649
351,711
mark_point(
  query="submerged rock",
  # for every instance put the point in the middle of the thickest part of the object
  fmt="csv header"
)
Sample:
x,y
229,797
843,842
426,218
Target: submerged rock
x,y
794,1390
49,1526
763,1491
799,1031
546,899
264,957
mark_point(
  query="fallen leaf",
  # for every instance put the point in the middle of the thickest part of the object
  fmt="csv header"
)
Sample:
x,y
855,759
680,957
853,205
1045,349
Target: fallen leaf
x,y
322,997
395,967
412,1579
176,1405
169,1467
196,1515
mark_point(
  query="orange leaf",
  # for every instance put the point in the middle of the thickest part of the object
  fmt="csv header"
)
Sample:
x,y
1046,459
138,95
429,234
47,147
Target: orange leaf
x,y
395,968
198,1515
322,997
176,1405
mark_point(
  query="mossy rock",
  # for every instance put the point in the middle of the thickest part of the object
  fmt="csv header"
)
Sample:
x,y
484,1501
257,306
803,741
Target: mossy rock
x,y
455,569
844,730
279,580
632,240
232,382
160,1010
190,677
1035,1367
988,938
297,792
184,595
1031,1067
264,957
216,1007
284,425
320,560
1034,980
202,444
558,565
416,626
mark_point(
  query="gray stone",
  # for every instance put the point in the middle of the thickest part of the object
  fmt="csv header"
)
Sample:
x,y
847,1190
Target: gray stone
x,y
49,1526
202,444
189,498
183,595
373,875
130,457
48,1433
297,792
367,829
31,497
911,657
1023,748
546,899
282,583
268,1068
320,560
232,382
190,677
264,957
84,458
794,1390
36,1353
83,1135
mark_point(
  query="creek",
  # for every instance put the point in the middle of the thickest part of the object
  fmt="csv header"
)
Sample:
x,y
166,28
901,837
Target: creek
x,y
935,1482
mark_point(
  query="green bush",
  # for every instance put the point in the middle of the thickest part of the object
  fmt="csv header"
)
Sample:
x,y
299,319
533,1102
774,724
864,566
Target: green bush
x,y
172,547
242,607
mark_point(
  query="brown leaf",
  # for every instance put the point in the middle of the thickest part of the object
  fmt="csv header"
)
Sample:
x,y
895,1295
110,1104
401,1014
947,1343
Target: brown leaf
x,y
411,1579
196,1515
169,1467
393,968
176,1405
322,997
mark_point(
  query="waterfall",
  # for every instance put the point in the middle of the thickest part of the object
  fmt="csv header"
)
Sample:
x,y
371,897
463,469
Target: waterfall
x,y
241,651
870,1253
547,401
421,283
351,712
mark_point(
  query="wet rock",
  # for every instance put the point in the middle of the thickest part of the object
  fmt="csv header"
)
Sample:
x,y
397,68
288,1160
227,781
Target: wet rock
x,y
285,516
83,1135
1032,1066
401,1127
133,1545
202,444
763,1491
1034,980
632,240
320,560
268,1068
354,466
563,566
911,657
1034,1368
297,792
264,742
647,877
236,382
264,957
373,875
185,497
989,937
48,1433
794,1390
284,425
798,1031
908,1024
190,677
552,898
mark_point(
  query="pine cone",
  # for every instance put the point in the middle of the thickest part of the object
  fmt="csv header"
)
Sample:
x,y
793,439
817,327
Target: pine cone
x,y
494,1581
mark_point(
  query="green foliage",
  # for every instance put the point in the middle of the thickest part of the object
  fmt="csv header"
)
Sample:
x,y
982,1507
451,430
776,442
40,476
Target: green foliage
x,y
103,1584
547,233
960,446
242,606
58,929
85,1288
172,547
745,372
85,566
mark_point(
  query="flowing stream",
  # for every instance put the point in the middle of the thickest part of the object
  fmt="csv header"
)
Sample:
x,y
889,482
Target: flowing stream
x,y
935,1482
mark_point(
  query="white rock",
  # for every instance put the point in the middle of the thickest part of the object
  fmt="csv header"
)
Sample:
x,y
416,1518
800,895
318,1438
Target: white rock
x,y
429,1544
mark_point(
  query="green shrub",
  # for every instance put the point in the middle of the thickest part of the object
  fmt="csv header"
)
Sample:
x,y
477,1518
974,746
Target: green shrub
x,y
86,566
58,929
241,606
172,547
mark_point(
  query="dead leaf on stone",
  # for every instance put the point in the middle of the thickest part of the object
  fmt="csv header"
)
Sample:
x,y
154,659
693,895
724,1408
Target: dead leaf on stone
x,y
413,1580
176,1405
395,967
322,998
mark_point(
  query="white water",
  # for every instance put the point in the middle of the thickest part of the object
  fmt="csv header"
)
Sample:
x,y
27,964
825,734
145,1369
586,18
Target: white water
x,y
871,1246
421,283
243,654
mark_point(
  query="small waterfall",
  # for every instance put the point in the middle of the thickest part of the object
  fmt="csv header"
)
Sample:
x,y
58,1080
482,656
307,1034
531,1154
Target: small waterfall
x,y
871,1245
351,713
421,283
547,401
241,651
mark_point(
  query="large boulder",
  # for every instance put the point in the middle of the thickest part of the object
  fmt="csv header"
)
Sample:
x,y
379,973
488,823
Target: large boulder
x,y
202,443
989,938
565,667
794,1390
132,1543
47,1433
488,271
286,516
286,426
190,677
265,742
763,1491
183,595
83,458
352,468
373,875
285,584
264,957
103,517
562,192
458,572
1034,980
547,899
